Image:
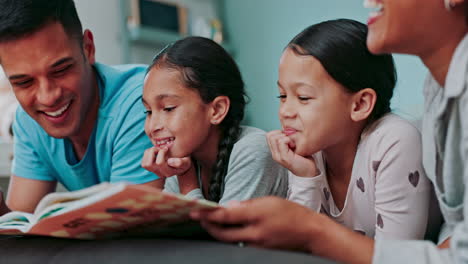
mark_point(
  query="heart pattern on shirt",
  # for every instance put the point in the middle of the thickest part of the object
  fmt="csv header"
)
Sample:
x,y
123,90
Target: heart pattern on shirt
x,y
413,178
360,184
326,193
380,221
375,165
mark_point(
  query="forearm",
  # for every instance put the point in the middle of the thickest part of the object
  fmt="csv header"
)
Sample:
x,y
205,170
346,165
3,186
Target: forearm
x,y
307,191
22,188
339,243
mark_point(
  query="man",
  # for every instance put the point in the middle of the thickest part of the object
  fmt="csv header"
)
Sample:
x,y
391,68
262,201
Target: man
x,y
79,122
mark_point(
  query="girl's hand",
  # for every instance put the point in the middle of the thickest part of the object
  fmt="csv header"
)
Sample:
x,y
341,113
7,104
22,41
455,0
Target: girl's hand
x,y
156,161
281,150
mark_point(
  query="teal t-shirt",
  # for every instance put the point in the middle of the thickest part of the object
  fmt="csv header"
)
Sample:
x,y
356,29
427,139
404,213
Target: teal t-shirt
x,y
116,145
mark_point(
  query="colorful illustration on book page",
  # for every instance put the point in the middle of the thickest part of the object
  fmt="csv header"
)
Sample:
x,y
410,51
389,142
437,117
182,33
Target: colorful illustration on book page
x,y
107,218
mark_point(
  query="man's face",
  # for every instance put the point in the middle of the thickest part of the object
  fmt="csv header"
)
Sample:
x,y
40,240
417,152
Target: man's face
x,y
53,80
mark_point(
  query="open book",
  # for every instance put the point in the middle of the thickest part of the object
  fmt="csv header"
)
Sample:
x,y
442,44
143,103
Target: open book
x,y
102,211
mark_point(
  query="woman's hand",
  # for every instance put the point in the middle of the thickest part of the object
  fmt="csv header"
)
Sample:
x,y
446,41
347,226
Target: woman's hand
x,y
269,222
156,161
281,147
273,222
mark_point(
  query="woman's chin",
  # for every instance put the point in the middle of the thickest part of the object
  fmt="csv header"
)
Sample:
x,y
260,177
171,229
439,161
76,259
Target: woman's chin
x,y
374,44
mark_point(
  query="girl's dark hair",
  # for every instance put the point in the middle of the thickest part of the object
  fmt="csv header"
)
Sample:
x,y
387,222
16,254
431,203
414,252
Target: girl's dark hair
x,y
20,18
206,67
340,46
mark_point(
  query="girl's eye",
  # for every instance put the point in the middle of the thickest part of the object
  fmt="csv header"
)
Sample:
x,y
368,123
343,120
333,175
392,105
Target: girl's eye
x,y
304,98
147,112
281,97
169,109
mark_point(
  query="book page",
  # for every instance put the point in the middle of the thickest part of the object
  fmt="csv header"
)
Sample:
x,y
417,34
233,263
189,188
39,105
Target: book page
x,y
63,197
136,206
60,203
15,223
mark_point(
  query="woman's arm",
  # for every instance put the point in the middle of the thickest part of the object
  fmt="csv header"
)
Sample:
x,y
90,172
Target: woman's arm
x,y
273,222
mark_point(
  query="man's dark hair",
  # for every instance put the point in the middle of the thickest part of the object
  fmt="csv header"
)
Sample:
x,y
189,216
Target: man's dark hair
x,y
20,18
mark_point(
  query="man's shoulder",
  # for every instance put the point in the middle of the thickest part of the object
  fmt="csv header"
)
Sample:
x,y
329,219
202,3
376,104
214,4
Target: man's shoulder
x,y
121,85
120,78
27,131
122,71
27,123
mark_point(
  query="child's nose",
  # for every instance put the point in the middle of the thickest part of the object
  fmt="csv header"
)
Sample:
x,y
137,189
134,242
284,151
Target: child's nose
x,y
287,110
155,126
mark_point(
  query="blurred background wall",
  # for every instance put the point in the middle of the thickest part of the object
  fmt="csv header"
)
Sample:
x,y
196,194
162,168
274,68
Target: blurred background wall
x,y
256,32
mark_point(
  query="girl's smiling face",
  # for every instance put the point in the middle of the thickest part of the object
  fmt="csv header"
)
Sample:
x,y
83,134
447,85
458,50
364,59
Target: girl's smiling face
x,y
314,109
176,115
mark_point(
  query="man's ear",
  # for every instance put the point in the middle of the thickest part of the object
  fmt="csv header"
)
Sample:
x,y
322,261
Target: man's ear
x,y
363,104
219,109
88,46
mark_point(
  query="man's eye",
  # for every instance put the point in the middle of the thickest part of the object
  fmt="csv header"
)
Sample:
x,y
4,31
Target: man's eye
x,y
23,83
61,71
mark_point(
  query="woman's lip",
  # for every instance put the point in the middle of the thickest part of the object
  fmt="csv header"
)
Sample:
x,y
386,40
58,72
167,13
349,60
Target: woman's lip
x,y
373,18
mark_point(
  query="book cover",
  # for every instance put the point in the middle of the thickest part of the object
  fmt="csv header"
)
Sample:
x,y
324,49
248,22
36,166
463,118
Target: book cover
x,y
103,211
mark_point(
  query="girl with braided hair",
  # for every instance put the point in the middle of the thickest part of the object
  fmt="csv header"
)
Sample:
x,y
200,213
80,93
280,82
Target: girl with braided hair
x,y
195,99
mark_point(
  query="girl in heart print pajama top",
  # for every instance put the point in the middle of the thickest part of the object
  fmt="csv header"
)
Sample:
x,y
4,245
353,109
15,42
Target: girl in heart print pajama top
x,y
388,194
